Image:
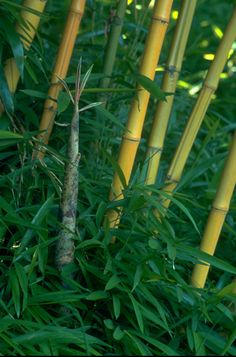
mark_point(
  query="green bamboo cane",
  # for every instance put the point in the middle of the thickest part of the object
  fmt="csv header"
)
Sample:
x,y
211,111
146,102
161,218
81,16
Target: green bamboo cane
x,y
109,61
112,43
209,87
169,83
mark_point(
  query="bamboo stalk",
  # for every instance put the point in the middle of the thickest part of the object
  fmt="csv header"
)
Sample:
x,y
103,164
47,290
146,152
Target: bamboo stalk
x,y
112,43
109,61
217,215
64,54
65,244
169,83
209,86
132,135
64,254
27,30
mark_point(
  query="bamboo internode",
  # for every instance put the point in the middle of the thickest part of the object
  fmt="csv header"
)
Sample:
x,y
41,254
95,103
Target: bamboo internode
x,y
112,44
132,135
64,54
217,216
199,110
169,83
30,15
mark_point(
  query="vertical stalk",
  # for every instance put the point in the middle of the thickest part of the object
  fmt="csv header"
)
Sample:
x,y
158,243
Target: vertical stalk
x,y
169,83
27,30
109,60
199,110
132,135
64,54
65,245
217,216
112,43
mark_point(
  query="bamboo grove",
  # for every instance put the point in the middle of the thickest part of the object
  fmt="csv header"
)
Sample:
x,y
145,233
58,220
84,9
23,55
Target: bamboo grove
x,y
137,121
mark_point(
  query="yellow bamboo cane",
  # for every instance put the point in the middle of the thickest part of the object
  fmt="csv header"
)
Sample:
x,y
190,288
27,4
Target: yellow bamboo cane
x,y
27,30
217,216
132,135
199,110
64,54
169,82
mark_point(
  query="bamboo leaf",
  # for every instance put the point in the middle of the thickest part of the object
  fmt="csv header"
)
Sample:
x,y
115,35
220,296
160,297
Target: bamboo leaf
x,y
138,313
190,338
66,88
182,207
116,306
109,324
97,295
5,94
227,290
89,243
137,276
199,344
229,343
63,102
112,282
15,43
100,213
15,291
161,346
152,87
118,334
116,167
202,256
10,135
85,79
23,280
143,350
103,112
38,218
91,105
215,341
34,93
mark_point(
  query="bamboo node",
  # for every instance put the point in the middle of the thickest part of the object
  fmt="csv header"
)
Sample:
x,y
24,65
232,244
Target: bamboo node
x,y
80,13
131,139
172,70
169,179
51,109
163,20
116,20
223,210
213,88
156,149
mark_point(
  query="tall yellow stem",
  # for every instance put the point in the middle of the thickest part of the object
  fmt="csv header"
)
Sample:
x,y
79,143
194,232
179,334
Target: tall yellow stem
x,y
27,30
169,83
217,216
132,135
199,110
64,54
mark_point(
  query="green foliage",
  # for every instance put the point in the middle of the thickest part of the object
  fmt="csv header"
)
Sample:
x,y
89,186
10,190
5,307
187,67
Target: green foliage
x,y
133,297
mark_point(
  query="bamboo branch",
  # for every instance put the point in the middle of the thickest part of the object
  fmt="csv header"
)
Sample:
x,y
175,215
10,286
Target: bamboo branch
x,y
64,54
132,135
169,83
217,216
209,87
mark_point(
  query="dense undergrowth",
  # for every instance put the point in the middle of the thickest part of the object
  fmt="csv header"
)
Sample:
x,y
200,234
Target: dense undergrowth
x,y
132,297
